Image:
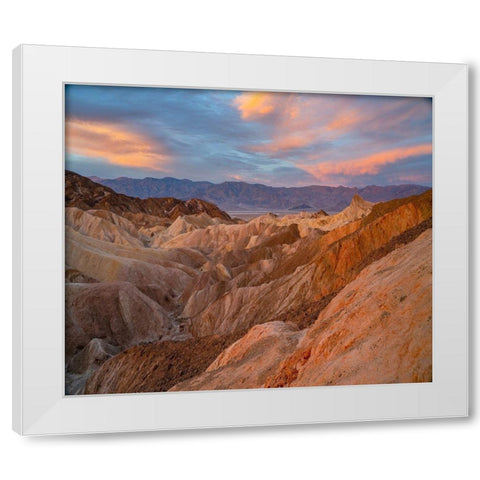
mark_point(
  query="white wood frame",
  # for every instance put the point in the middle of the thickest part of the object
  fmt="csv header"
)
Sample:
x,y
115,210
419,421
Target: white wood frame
x,y
39,404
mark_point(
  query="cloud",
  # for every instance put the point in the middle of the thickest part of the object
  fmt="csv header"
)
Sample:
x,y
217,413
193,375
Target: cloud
x,y
297,121
268,137
301,121
366,165
345,120
283,144
116,144
290,121
253,105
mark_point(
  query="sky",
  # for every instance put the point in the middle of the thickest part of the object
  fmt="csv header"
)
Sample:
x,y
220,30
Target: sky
x,y
277,139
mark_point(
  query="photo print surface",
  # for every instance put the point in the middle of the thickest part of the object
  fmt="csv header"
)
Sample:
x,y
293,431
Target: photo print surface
x,y
220,239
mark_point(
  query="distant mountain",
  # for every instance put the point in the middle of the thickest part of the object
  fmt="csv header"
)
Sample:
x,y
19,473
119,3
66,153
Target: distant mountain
x,y
238,196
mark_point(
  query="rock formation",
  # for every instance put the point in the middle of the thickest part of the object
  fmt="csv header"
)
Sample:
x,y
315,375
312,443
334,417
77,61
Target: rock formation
x,y
378,329
85,194
166,294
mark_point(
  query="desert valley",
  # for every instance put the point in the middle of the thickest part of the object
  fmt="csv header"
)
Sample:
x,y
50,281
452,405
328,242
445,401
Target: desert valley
x,y
175,294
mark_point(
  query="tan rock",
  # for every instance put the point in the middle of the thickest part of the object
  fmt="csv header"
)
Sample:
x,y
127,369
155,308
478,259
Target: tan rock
x,y
109,262
312,270
378,329
249,361
162,270
103,225
358,209
117,313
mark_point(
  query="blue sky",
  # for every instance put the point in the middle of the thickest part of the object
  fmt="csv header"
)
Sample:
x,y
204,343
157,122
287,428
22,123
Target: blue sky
x,y
279,139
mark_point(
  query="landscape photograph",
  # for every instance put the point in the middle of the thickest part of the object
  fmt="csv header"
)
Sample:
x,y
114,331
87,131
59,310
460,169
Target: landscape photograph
x,y
220,239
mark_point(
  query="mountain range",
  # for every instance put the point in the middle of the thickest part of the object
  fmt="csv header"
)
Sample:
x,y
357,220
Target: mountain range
x,y
242,196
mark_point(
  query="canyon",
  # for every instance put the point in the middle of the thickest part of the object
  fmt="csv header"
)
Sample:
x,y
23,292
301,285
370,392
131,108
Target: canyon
x,y
175,294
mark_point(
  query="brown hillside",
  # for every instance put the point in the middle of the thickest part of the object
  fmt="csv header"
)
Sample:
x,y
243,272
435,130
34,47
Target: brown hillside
x,y
85,194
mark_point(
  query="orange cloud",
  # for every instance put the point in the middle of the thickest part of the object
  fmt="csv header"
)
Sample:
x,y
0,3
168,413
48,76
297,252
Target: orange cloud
x,y
115,143
254,104
238,178
370,164
344,121
291,142
298,122
293,111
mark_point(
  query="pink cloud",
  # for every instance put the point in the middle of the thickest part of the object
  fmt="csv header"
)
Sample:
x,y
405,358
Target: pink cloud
x,y
116,144
296,121
345,120
299,121
370,164
282,144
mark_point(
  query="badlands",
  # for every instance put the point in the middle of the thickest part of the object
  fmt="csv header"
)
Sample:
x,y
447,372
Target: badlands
x,y
165,294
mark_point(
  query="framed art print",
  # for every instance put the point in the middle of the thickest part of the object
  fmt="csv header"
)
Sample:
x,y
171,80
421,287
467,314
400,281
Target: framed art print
x,y
229,240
